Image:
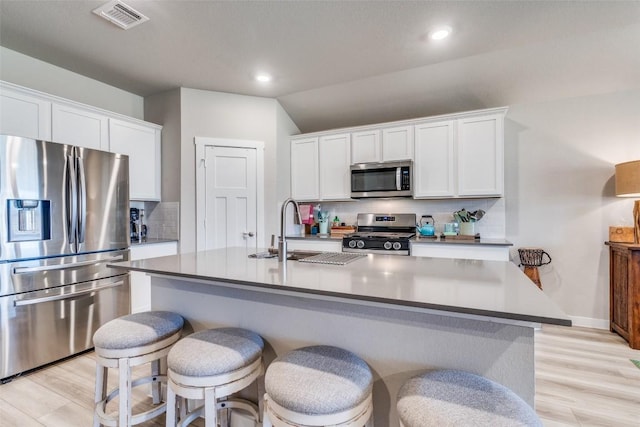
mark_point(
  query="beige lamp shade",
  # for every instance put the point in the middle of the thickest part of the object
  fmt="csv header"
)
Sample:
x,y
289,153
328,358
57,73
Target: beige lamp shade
x,y
628,179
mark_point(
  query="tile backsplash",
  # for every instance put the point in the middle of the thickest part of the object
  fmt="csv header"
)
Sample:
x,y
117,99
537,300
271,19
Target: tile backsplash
x,y
492,224
162,219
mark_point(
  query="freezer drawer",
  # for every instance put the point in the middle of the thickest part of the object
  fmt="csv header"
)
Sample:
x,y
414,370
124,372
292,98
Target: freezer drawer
x,y
40,327
48,273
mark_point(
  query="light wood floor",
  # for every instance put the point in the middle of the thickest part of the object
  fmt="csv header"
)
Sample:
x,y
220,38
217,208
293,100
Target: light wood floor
x,y
583,378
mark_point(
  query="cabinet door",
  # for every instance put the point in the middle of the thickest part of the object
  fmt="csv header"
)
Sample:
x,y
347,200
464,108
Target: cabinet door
x,y
433,172
142,145
304,169
335,174
22,114
619,304
76,126
365,147
397,143
480,156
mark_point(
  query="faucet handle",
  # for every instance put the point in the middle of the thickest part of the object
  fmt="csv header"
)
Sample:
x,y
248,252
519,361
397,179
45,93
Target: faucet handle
x,y
273,249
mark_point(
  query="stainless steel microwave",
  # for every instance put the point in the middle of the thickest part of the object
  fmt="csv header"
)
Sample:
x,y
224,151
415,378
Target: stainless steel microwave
x,y
391,179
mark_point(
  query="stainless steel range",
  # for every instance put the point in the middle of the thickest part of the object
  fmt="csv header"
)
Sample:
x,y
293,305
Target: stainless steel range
x,y
381,233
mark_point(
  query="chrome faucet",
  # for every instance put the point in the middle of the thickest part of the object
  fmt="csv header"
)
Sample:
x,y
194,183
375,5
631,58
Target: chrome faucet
x,y
282,242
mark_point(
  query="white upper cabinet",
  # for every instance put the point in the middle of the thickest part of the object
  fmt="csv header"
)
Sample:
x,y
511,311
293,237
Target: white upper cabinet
x,y
79,126
434,165
142,144
24,114
304,169
481,156
335,174
397,143
366,147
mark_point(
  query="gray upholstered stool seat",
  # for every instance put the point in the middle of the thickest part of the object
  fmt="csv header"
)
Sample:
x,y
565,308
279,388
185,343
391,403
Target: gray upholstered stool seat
x,y
457,398
318,385
129,341
212,365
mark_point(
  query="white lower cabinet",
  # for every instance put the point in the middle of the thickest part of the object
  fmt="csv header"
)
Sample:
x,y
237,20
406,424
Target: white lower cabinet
x,y
461,251
140,282
320,245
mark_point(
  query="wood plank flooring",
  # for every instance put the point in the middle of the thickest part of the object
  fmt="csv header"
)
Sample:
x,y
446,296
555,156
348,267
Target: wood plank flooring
x,y
583,378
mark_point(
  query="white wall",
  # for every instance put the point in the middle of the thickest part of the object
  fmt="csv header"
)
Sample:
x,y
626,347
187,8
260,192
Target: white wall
x,y
560,195
224,115
35,74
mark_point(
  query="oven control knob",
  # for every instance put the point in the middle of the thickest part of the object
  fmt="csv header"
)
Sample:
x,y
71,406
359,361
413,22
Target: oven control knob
x,y
352,244
360,244
387,245
397,246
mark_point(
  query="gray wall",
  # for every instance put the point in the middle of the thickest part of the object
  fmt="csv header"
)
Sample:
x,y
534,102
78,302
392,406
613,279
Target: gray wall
x,y
164,108
35,74
224,115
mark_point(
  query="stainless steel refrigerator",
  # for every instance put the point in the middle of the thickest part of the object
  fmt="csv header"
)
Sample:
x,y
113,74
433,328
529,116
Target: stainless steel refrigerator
x,y
63,216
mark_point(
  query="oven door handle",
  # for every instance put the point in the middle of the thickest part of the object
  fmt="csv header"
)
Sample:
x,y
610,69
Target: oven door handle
x,y
38,300
24,270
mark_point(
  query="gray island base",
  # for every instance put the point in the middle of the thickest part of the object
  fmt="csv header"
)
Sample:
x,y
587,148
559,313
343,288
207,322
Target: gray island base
x,y
403,315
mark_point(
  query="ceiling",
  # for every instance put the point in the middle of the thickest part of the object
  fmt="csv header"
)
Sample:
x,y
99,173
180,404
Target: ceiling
x,y
344,63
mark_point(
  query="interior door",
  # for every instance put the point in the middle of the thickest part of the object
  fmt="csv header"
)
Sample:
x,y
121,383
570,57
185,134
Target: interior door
x,y
231,197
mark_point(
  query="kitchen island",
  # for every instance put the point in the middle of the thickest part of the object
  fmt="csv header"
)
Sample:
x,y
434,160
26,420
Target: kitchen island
x,y
401,314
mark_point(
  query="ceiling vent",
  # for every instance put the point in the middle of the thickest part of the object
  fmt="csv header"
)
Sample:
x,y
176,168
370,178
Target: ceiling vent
x,y
124,16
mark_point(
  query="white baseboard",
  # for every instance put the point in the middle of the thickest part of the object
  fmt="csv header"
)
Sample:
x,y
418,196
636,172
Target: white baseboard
x,y
589,322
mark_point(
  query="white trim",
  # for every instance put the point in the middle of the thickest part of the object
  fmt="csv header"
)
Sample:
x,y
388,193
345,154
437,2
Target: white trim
x,y
201,143
589,322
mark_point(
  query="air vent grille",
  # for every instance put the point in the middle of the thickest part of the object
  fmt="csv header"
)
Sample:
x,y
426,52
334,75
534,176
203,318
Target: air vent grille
x,y
121,14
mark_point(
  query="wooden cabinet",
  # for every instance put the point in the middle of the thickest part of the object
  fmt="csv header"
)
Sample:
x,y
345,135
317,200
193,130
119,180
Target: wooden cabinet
x,y
334,160
386,145
142,144
305,169
480,156
24,114
320,168
434,165
624,291
366,146
79,126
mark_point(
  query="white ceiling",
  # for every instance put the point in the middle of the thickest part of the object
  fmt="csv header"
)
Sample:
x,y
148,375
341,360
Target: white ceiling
x,y
339,63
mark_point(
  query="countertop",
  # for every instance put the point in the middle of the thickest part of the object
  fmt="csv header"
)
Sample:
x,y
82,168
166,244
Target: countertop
x,y
415,240
151,242
497,289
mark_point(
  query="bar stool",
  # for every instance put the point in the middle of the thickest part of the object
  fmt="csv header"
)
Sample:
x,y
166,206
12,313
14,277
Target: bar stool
x,y
211,365
457,398
126,342
318,386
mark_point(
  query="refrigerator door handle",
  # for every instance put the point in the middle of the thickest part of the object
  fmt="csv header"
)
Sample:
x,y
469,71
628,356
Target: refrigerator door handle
x,y
82,205
72,200
38,300
24,270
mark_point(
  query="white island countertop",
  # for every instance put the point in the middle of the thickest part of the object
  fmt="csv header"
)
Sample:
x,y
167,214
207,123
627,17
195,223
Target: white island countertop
x,y
494,289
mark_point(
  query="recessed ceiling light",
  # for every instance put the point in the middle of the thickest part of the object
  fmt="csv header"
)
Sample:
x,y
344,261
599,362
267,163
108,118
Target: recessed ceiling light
x,y
263,78
440,33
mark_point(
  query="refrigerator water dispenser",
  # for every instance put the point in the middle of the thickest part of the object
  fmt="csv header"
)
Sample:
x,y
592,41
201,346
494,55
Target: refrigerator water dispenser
x,y
29,220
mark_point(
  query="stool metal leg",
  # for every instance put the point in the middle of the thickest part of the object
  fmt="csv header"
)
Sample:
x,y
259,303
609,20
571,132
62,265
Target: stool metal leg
x,y
124,414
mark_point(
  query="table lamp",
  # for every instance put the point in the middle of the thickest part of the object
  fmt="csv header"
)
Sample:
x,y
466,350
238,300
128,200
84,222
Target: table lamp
x,y
628,185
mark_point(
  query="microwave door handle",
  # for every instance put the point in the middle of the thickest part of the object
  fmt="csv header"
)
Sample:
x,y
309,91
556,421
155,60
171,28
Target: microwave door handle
x,y
82,201
398,179
72,200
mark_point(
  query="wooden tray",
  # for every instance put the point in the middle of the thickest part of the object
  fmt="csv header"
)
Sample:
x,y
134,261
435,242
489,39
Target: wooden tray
x,y
460,237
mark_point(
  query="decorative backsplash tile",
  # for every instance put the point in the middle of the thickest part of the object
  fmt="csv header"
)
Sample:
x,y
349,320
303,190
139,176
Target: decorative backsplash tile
x,y
162,219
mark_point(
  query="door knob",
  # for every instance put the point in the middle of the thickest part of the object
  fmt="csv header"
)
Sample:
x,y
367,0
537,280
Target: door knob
x,y
248,234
